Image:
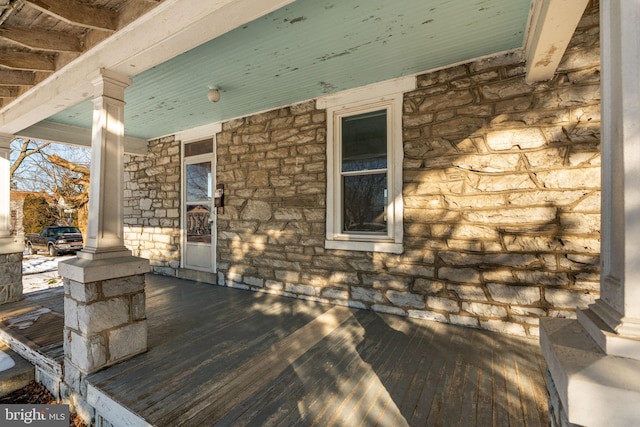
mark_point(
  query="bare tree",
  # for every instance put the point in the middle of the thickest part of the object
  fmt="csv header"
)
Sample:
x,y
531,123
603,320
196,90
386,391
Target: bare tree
x,y
56,169
27,148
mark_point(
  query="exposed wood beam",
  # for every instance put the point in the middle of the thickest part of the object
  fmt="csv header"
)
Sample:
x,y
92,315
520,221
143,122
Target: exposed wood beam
x,y
16,78
47,130
8,91
193,22
41,39
76,13
551,26
26,61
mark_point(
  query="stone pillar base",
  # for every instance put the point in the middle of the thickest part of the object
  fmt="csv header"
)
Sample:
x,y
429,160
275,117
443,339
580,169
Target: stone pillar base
x,y
104,315
10,270
586,386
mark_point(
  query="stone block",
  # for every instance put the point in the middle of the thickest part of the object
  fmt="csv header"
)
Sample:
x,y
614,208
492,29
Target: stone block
x,y
405,299
462,320
428,287
123,286
127,341
569,298
367,295
468,293
443,304
588,178
300,289
388,309
516,295
335,293
99,316
254,281
138,306
484,310
513,215
460,275
503,327
489,163
87,353
71,313
427,315
524,138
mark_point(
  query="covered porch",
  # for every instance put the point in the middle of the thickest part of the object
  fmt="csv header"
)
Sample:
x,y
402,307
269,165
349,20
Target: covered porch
x,y
223,356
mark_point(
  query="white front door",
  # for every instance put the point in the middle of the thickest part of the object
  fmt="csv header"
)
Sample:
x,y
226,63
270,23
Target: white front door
x,y
199,228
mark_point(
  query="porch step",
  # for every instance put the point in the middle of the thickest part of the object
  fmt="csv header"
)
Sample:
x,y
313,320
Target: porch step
x,y
16,377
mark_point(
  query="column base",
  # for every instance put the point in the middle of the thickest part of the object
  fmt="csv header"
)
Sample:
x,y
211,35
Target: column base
x,y
104,311
595,389
609,341
87,267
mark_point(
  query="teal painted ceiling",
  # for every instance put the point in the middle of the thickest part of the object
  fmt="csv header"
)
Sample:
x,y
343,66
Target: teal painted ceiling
x,y
308,49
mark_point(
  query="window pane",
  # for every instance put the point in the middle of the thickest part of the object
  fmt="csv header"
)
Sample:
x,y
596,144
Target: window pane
x,y
199,182
364,141
199,147
365,202
198,225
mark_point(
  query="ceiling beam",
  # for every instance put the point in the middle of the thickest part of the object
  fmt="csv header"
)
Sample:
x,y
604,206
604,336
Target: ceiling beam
x,y
76,13
193,22
16,78
50,131
26,61
38,39
551,26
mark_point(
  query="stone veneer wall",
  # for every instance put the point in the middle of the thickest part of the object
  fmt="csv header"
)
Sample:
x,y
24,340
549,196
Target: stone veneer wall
x,y
11,274
501,198
152,205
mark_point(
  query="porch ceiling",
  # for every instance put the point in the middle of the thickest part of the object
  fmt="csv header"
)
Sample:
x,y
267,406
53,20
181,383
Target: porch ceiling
x,y
307,49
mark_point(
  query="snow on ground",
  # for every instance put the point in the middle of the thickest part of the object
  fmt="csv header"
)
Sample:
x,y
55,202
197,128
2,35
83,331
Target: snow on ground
x,y
40,272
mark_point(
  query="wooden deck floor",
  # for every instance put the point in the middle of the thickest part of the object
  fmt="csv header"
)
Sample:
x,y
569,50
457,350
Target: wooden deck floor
x,y
220,356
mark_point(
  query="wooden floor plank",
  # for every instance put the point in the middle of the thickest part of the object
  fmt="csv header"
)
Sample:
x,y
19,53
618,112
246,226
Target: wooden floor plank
x,y
427,400
484,403
222,356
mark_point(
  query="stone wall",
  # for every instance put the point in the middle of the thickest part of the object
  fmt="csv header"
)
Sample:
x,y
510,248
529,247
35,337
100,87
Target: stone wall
x,y
152,205
10,277
501,199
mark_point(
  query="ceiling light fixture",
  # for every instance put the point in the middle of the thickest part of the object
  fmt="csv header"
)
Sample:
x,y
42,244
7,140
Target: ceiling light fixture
x,y
213,95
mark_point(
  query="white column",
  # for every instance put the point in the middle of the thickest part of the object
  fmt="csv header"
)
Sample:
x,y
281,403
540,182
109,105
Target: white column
x,y
614,319
594,362
8,243
105,231
5,211
10,248
104,303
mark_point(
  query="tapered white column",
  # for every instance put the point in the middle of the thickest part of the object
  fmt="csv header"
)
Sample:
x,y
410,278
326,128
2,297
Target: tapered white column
x,y
105,231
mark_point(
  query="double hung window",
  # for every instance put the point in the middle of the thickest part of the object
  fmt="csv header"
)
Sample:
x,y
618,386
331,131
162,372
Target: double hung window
x,y
364,179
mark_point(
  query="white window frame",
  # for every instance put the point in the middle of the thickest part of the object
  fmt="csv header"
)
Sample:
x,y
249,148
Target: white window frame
x,y
386,96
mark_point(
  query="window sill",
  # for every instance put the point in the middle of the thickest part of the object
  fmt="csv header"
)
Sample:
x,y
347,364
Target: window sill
x,y
386,247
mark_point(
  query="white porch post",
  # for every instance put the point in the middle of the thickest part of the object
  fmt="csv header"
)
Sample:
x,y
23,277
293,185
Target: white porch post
x,y
10,248
105,231
594,362
105,317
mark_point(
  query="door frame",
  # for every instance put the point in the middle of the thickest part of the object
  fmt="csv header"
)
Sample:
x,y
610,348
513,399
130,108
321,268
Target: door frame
x,y
186,137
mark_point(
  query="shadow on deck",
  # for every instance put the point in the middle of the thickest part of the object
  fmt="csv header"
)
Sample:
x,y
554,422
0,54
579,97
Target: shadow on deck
x,y
222,356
